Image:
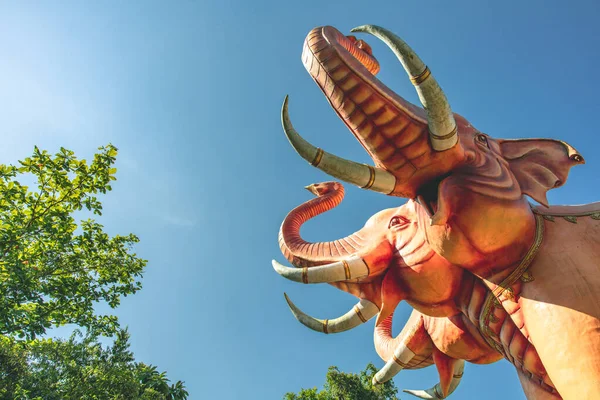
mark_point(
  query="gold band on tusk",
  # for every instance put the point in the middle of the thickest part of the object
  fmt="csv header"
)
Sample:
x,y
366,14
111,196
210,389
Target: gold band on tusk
x,y
371,178
357,311
422,77
317,160
400,363
366,265
305,275
346,269
444,137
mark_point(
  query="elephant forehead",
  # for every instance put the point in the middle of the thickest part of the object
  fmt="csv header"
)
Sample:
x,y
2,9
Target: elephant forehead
x,y
463,123
383,217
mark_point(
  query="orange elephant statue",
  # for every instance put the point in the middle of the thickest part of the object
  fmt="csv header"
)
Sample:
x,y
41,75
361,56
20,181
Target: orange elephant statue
x,y
532,270
387,261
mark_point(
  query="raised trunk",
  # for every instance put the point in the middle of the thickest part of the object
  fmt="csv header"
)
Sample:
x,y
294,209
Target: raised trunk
x,y
393,131
302,253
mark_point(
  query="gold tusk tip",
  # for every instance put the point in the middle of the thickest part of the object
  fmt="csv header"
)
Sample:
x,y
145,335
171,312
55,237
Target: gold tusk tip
x,y
311,188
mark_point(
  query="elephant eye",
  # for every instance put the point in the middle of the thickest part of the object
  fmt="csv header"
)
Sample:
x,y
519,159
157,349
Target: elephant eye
x,y
398,221
482,139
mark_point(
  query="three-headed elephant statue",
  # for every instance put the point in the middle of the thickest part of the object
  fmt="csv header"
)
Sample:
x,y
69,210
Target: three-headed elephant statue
x,y
468,244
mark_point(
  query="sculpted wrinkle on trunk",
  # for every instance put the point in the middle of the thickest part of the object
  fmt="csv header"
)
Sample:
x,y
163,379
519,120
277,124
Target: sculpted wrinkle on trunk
x,y
302,253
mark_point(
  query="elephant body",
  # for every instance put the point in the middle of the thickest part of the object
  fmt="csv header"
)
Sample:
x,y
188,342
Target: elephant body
x,y
468,249
561,306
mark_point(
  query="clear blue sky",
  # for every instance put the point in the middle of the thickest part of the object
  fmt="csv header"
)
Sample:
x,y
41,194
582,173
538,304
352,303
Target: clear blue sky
x,y
190,93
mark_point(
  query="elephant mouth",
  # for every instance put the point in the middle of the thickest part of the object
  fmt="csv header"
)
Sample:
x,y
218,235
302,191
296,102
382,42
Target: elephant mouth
x,y
428,195
345,68
410,146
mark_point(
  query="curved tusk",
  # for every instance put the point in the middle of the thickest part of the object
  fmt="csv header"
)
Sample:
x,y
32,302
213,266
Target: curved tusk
x,y
351,268
436,391
397,363
363,311
362,175
442,126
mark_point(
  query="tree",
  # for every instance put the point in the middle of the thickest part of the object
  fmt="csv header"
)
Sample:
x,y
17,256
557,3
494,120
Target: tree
x,y
82,368
347,386
13,366
52,271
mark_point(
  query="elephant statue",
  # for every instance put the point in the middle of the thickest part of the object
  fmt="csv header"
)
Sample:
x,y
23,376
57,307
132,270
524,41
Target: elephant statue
x,y
402,266
539,265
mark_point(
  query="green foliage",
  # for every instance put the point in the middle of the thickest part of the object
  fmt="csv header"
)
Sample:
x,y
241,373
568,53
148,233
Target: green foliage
x,y
13,366
345,386
53,271
80,368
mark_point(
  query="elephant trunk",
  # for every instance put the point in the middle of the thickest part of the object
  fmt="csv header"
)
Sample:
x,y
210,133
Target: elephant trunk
x,y
442,126
304,254
413,339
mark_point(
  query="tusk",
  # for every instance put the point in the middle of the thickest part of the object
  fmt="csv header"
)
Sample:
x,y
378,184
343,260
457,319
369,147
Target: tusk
x,y
363,311
429,394
436,391
362,175
351,268
442,126
397,363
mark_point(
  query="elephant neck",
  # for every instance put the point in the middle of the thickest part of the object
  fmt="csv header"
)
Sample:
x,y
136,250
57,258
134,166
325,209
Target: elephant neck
x,y
482,234
496,240
497,280
497,322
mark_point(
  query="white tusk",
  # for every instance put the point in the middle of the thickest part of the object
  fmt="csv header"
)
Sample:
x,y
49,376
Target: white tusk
x,y
442,126
363,311
362,175
436,392
351,268
397,363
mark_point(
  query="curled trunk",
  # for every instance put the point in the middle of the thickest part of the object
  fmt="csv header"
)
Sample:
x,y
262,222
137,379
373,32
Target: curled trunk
x,y
302,253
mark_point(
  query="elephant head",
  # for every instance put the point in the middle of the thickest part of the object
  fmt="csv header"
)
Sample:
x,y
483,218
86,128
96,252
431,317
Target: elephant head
x,y
385,262
455,172
388,260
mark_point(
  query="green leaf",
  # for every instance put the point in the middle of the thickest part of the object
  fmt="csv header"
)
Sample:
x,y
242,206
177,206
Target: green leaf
x,y
348,386
48,261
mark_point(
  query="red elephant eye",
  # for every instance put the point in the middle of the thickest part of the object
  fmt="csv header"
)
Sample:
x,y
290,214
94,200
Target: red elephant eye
x,y
398,221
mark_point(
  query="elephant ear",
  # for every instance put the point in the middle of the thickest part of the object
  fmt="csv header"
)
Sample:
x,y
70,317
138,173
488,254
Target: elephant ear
x,y
539,164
